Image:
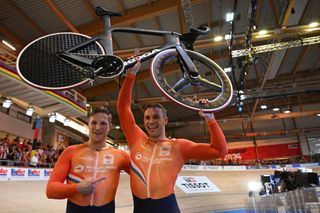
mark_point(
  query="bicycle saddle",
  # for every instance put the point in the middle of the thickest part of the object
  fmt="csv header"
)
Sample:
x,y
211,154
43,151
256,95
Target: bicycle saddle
x,y
188,38
201,30
100,11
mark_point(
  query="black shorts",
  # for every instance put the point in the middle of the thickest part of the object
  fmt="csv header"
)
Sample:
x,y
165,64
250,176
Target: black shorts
x,y
74,208
164,205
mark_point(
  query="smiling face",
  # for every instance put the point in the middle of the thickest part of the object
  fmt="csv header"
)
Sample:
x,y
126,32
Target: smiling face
x,y
154,122
99,126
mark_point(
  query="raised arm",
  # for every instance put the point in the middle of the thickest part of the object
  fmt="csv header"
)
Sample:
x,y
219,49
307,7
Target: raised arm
x,y
131,130
202,151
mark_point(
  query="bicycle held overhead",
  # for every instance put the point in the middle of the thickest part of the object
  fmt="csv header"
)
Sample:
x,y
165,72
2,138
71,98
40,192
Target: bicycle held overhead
x,y
65,60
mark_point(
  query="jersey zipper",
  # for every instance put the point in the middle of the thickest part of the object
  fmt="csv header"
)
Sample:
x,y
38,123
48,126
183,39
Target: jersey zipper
x,y
149,171
94,176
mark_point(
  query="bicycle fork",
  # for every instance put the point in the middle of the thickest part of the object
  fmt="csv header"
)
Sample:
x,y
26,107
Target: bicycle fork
x,y
187,62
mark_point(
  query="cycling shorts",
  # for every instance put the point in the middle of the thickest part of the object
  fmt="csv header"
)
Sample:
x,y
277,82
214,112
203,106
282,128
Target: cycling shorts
x,y
73,208
168,205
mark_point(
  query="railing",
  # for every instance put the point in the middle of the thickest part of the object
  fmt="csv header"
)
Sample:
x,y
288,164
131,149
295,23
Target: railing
x,y
11,163
305,200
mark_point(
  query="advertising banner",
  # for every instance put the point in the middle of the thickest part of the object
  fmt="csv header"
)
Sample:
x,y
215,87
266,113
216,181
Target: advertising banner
x,y
23,174
196,184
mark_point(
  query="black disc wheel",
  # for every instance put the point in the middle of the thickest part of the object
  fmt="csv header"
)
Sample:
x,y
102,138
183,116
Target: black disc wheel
x,y
40,63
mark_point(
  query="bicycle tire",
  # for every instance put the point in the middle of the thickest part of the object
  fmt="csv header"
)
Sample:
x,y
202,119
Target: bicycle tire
x,y
221,98
39,65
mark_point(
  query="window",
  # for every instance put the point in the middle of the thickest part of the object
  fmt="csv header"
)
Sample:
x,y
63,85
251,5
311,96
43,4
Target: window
x,y
24,117
4,110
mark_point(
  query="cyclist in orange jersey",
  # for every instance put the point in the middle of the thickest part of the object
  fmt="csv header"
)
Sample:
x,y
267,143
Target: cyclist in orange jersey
x,y
155,159
91,170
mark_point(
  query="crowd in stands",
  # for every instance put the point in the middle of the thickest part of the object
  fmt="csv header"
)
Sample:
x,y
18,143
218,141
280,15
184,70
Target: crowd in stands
x,y
227,161
19,152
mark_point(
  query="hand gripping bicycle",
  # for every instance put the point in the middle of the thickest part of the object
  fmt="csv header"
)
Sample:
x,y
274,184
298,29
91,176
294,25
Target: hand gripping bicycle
x,y
64,60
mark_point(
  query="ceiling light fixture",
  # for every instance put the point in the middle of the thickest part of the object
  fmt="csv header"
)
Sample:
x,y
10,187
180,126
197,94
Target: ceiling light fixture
x,y
227,37
52,117
7,103
66,122
287,111
313,24
276,109
229,17
8,45
262,32
30,110
227,69
263,106
217,38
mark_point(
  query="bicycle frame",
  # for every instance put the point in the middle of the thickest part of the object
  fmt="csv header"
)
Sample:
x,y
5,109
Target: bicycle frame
x,y
86,58
106,40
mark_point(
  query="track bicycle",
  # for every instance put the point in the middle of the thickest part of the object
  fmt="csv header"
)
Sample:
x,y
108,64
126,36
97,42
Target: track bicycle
x,y
64,60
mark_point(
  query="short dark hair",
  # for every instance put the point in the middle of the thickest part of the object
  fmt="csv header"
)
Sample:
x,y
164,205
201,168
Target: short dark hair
x,y
156,105
101,109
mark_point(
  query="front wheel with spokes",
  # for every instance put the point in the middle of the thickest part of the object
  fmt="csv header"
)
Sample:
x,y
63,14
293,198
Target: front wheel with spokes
x,y
212,83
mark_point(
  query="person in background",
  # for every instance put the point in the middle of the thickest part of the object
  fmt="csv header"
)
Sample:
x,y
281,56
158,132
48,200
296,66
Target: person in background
x,y
156,159
91,170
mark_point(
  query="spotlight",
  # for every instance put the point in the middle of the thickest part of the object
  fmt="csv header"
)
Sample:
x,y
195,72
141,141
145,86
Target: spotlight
x,y
8,45
276,109
30,110
52,117
66,122
287,111
263,106
229,17
7,103
217,38
227,69
227,37
239,109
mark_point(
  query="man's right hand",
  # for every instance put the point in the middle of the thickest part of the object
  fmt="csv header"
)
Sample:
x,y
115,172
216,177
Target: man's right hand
x,y
88,186
135,68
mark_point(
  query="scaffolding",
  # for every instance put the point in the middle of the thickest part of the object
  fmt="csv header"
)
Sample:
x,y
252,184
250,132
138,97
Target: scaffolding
x,y
304,200
276,46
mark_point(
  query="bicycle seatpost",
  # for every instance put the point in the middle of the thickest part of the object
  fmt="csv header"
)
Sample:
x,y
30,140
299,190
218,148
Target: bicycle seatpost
x,y
107,40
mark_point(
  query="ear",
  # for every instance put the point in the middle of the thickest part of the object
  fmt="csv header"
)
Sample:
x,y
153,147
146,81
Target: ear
x,y
166,119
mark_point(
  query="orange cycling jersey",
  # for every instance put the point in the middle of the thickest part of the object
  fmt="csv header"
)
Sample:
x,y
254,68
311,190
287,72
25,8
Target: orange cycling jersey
x,y
155,165
79,162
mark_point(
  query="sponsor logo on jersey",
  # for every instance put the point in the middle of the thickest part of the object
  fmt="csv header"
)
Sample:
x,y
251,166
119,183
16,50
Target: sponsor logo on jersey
x,y
108,159
78,168
165,150
138,156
